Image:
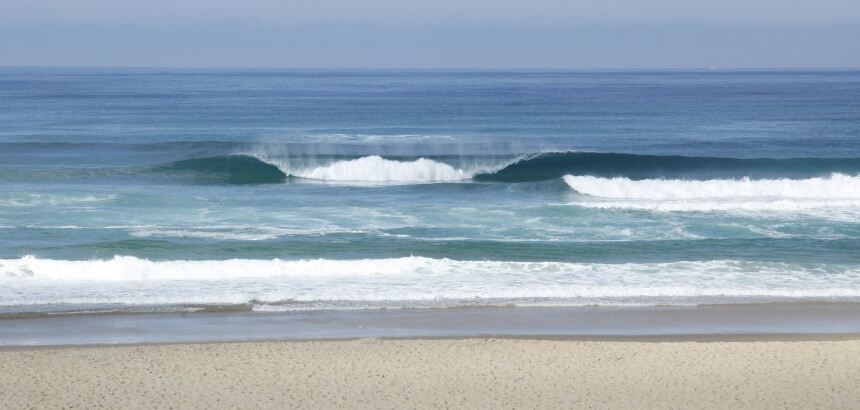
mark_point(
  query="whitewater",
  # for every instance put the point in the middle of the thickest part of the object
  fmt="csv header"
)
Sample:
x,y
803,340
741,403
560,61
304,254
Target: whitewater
x,y
409,282
834,187
834,197
377,169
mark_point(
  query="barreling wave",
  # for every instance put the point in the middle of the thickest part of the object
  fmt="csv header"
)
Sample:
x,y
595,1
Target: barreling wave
x,y
409,281
610,165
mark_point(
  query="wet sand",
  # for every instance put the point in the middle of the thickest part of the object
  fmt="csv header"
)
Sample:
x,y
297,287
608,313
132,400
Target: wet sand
x,y
806,371
585,321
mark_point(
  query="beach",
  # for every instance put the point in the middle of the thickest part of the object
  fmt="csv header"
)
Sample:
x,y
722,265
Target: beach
x,y
808,371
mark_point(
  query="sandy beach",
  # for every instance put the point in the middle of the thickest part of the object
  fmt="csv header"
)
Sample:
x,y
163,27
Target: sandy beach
x,y
699,372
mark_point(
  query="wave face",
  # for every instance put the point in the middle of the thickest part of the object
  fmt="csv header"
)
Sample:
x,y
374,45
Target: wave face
x,y
377,169
610,165
232,169
410,281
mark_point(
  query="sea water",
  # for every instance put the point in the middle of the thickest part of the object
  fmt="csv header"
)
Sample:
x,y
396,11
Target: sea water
x,y
159,190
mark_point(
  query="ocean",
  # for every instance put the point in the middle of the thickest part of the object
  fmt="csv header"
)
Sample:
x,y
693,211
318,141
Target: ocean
x,y
188,191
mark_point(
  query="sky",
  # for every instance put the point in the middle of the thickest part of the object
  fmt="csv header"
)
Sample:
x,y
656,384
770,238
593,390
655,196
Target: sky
x,y
432,34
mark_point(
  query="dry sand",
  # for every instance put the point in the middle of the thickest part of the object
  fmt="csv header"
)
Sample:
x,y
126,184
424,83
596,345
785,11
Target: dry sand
x,y
461,373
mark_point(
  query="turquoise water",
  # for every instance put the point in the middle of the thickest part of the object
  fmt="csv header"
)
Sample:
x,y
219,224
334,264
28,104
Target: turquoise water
x,y
183,190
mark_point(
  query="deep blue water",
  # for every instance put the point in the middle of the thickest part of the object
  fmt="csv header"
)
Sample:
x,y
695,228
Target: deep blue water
x,y
279,190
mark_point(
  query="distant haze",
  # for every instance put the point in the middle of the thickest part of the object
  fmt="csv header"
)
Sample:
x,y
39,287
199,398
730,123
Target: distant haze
x,y
443,33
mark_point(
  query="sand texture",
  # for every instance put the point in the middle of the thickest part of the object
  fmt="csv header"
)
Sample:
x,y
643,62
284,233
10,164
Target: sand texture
x,y
459,373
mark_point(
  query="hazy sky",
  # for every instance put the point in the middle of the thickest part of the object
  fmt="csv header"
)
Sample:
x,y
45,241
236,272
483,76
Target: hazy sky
x,y
441,33
405,12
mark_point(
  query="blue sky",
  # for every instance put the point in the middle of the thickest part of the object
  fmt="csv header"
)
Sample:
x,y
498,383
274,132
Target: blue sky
x,y
438,34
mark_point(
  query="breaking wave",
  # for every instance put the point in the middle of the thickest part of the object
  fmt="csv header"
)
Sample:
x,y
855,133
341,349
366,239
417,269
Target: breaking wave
x,y
406,281
378,169
262,168
554,165
834,197
836,186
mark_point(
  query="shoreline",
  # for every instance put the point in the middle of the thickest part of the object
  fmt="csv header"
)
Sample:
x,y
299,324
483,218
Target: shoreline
x,y
432,373
568,323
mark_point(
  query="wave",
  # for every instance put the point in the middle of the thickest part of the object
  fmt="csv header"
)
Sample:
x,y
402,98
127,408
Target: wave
x,y
407,281
233,169
377,169
262,168
554,165
247,169
835,197
257,167
836,186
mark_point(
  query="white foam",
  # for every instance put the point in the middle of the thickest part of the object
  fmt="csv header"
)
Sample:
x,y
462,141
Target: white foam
x,y
377,169
404,281
837,186
836,197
